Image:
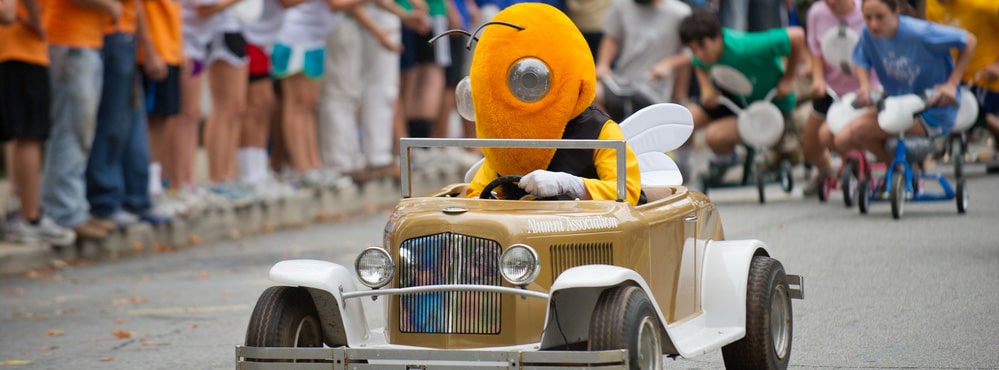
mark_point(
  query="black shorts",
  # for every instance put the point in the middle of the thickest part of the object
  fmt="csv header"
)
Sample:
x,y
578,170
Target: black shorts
x,y
24,101
820,105
620,107
456,71
163,97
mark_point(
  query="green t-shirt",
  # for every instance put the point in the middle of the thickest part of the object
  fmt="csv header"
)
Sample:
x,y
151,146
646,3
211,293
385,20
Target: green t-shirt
x,y
436,7
405,4
758,56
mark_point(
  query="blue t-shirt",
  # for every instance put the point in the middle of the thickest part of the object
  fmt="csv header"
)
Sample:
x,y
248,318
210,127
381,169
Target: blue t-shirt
x,y
917,58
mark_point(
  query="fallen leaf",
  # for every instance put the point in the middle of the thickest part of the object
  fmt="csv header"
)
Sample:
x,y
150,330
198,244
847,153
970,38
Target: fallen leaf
x,y
106,359
60,264
148,343
54,332
137,247
49,348
101,339
128,300
194,239
15,362
14,292
121,321
202,275
64,311
121,334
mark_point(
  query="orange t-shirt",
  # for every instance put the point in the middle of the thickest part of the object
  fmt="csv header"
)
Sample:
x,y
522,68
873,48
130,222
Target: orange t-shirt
x,y
20,43
71,24
164,21
127,20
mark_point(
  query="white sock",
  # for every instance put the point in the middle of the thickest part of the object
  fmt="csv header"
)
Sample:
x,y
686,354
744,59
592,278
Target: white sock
x,y
155,179
260,166
244,161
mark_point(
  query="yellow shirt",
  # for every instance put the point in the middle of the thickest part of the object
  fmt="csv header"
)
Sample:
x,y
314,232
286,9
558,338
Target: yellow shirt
x,y
605,161
978,17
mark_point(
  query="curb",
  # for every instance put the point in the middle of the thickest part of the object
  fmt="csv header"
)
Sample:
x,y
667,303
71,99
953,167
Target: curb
x,y
230,222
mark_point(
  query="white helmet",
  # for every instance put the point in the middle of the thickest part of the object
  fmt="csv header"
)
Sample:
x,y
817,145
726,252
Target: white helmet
x,y
967,114
761,124
842,112
837,46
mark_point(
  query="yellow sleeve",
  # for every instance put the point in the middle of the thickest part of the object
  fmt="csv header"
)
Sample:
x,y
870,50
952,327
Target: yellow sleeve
x,y
483,177
605,160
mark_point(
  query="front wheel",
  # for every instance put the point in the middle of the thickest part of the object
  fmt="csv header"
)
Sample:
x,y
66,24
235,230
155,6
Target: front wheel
x,y
897,194
962,195
767,344
625,319
284,317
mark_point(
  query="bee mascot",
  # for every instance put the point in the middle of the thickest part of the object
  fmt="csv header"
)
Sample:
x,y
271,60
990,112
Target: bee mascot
x,y
532,77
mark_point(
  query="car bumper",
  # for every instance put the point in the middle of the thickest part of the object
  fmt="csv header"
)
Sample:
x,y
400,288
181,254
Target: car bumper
x,y
249,358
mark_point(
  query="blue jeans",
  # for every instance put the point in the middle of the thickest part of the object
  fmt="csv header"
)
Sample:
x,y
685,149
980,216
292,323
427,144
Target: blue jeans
x,y
75,80
120,142
752,15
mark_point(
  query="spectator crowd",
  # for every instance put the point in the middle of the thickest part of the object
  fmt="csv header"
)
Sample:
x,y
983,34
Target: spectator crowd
x,y
103,102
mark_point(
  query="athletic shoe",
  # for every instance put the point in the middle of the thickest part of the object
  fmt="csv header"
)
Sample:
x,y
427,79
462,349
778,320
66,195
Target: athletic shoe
x,y
46,231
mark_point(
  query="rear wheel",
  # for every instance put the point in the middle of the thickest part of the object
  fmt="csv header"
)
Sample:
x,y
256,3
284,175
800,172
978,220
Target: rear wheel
x,y
284,317
767,344
624,319
864,196
958,148
897,194
848,182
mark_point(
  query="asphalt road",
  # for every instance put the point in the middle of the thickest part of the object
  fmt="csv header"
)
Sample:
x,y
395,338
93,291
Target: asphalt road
x,y
920,292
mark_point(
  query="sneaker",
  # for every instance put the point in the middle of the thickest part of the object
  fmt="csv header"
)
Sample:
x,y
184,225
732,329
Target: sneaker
x,y
88,230
123,219
155,215
103,224
52,233
814,185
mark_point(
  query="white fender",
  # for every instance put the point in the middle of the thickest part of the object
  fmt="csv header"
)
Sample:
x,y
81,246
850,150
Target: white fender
x,y
576,292
335,279
723,298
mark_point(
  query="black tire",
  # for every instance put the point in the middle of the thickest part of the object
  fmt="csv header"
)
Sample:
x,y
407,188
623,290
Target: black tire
x,y
769,322
760,182
864,196
897,194
625,319
962,195
958,149
848,182
284,317
785,175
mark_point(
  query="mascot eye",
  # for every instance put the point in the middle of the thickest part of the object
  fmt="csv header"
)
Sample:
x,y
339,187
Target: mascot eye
x,y
529,79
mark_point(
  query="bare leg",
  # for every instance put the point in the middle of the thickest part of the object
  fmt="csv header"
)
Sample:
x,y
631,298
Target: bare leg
x,y
183,135
298,115
227,84
811,146
722,135
27,176
260,108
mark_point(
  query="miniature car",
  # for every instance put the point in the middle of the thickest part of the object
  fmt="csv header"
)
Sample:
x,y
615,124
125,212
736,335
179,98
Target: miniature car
x,y
469,283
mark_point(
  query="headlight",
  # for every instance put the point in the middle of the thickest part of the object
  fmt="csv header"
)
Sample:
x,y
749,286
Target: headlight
x,y
374,267
519,264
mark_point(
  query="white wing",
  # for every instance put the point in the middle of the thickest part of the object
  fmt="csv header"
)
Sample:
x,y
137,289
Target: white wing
x,y
653,131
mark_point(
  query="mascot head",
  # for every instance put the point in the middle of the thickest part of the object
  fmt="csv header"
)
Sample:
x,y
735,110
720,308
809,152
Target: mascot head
x,y
529,77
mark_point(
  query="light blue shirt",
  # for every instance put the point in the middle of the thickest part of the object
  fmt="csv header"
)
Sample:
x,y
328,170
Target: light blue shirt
x,y
916,58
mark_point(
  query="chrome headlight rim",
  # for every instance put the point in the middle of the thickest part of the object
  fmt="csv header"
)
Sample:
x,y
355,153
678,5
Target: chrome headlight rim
x,y
535,266
389,267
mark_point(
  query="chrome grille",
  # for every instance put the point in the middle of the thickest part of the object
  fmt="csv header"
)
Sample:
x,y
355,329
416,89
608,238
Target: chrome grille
x,y
449,258
566,256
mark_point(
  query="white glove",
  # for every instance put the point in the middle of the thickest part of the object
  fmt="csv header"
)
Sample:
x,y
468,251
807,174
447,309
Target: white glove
x,y
546,184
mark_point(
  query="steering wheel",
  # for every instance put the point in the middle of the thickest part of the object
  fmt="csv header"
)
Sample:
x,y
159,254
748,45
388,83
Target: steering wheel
x,y
510,189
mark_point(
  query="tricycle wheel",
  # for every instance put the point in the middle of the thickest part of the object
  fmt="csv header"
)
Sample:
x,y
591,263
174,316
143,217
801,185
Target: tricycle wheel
x,y
767,344
864,196
284,317
758,173
962,195
958,148
786,177
624,319
848,182
897,194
